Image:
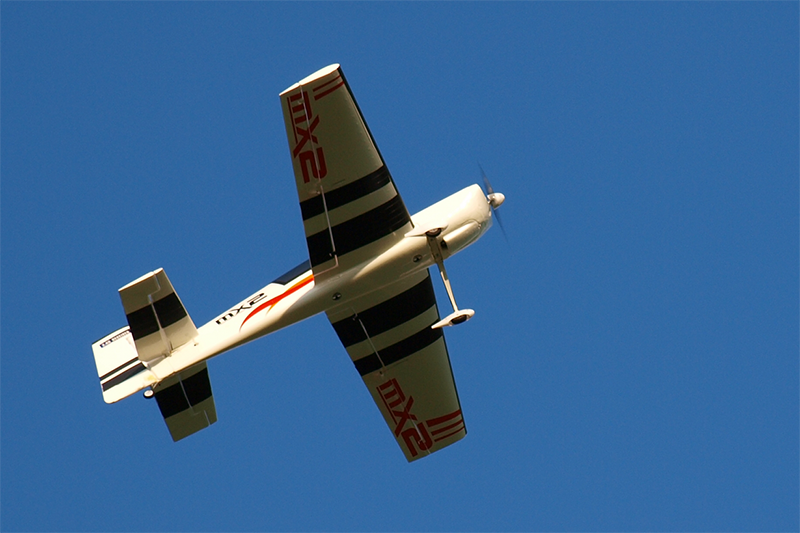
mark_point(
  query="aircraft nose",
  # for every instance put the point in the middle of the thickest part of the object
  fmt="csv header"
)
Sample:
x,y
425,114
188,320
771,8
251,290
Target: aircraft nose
x,y
496,199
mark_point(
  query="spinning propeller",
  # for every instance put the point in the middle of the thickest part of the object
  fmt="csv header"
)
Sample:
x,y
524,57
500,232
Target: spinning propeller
x,y
495,200
459,316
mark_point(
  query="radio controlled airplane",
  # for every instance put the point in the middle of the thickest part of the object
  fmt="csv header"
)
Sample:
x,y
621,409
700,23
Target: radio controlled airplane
x,y
367,271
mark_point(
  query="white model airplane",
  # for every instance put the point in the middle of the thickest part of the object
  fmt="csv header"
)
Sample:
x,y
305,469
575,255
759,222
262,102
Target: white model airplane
x,y
368,272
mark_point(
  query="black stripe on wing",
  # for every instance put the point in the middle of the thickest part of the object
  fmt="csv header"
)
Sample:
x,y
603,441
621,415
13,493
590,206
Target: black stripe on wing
x,y
400,350
394,313
344,195
359,231
387,315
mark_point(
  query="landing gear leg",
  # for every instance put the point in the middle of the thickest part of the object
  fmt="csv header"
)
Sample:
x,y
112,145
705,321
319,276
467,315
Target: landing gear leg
x,y
458,316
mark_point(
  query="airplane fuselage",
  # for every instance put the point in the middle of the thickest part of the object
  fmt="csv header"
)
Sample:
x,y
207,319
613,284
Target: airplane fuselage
x,y
460,220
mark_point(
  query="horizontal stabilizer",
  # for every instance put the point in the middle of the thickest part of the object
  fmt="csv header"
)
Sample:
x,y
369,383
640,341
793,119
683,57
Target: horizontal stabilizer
x,y
120,370
186,402
158,321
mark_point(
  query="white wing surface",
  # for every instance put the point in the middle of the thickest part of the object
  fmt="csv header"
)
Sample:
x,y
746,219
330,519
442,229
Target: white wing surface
x,y
404,363
350,206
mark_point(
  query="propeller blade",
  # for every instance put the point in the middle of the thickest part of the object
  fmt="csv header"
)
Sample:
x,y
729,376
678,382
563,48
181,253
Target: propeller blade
x,y
496,214
488,185
492,202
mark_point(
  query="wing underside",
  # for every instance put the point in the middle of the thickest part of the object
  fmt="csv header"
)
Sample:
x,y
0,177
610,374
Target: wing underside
x,y
404,363
350,206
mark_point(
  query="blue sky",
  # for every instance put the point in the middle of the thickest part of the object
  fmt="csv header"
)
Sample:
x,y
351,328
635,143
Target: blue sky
x,y
633,363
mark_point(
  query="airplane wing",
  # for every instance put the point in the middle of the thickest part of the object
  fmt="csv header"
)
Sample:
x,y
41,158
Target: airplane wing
x,y
350,206
404,363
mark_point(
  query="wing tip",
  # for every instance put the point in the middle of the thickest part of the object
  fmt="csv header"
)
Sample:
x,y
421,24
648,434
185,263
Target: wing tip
x,y
324,71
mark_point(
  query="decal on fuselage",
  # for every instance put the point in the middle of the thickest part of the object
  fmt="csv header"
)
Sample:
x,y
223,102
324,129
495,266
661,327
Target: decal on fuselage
x,y
269,304
249,304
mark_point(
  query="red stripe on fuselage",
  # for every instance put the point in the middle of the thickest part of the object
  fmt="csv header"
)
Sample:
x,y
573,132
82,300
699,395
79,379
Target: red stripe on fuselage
x,y
269,303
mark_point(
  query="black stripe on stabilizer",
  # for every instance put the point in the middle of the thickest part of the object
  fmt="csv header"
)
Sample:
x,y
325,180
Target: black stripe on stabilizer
x,y
398,351
344,195
169,310
123,376
143,321
359,231
387,315
197,387
172,400
120,367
